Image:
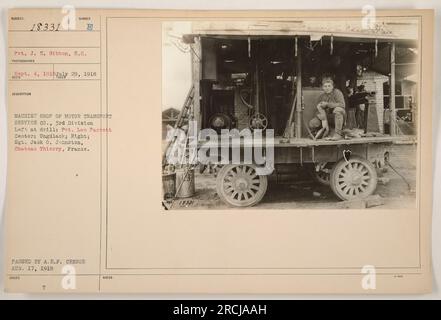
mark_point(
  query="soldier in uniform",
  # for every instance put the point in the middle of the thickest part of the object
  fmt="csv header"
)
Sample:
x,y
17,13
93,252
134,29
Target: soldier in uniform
x,y
330,109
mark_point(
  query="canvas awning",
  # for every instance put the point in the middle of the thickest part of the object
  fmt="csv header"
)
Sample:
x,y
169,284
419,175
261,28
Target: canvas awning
x,y
350,30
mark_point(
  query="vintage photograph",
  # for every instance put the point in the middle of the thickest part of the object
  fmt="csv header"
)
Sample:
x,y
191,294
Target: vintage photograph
x,y
295,154
308,113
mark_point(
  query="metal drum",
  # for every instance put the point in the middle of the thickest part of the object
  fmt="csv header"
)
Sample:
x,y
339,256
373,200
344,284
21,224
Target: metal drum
x,y
169,185
185,183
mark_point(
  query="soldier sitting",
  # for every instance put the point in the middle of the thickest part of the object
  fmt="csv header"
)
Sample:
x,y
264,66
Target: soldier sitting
x,y
330,109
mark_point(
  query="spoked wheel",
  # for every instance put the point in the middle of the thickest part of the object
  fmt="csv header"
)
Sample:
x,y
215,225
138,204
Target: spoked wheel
x,y
323,175
240,185
258,121
355,178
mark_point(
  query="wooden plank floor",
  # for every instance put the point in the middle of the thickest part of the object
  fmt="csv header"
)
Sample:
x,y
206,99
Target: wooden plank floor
x,y
305,142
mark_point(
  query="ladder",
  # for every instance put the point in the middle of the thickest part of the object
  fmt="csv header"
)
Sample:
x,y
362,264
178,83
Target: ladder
x,y
182,117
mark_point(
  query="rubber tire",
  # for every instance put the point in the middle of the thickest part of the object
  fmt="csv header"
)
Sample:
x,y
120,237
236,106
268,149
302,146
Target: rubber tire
x,y
243,203
372,173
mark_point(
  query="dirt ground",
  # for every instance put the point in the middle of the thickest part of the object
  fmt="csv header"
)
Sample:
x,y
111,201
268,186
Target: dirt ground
x,y
309,194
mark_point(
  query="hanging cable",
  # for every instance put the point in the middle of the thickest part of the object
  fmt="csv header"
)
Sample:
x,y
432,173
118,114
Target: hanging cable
x,y
376,48
332,46
400,175
243,99
296,47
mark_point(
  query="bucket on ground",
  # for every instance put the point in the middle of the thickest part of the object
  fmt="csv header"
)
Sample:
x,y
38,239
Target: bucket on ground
x,y
169,185
185,183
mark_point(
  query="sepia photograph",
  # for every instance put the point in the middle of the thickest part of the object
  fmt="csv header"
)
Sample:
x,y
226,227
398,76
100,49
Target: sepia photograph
x,y
290,114
228,152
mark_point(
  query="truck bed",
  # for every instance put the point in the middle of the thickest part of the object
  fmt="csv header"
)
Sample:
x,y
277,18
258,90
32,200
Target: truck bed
x,y
306,142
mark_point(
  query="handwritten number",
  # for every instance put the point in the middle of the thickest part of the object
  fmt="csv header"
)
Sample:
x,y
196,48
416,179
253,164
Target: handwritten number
x,y
46,26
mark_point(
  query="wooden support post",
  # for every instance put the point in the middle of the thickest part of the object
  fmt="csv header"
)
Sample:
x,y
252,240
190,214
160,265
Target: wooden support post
x,y
392,91
256,87
196,74
298,123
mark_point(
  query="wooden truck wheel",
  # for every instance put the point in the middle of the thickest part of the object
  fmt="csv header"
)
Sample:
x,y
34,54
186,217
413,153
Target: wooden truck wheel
x,y
353,179
240,185
323,176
